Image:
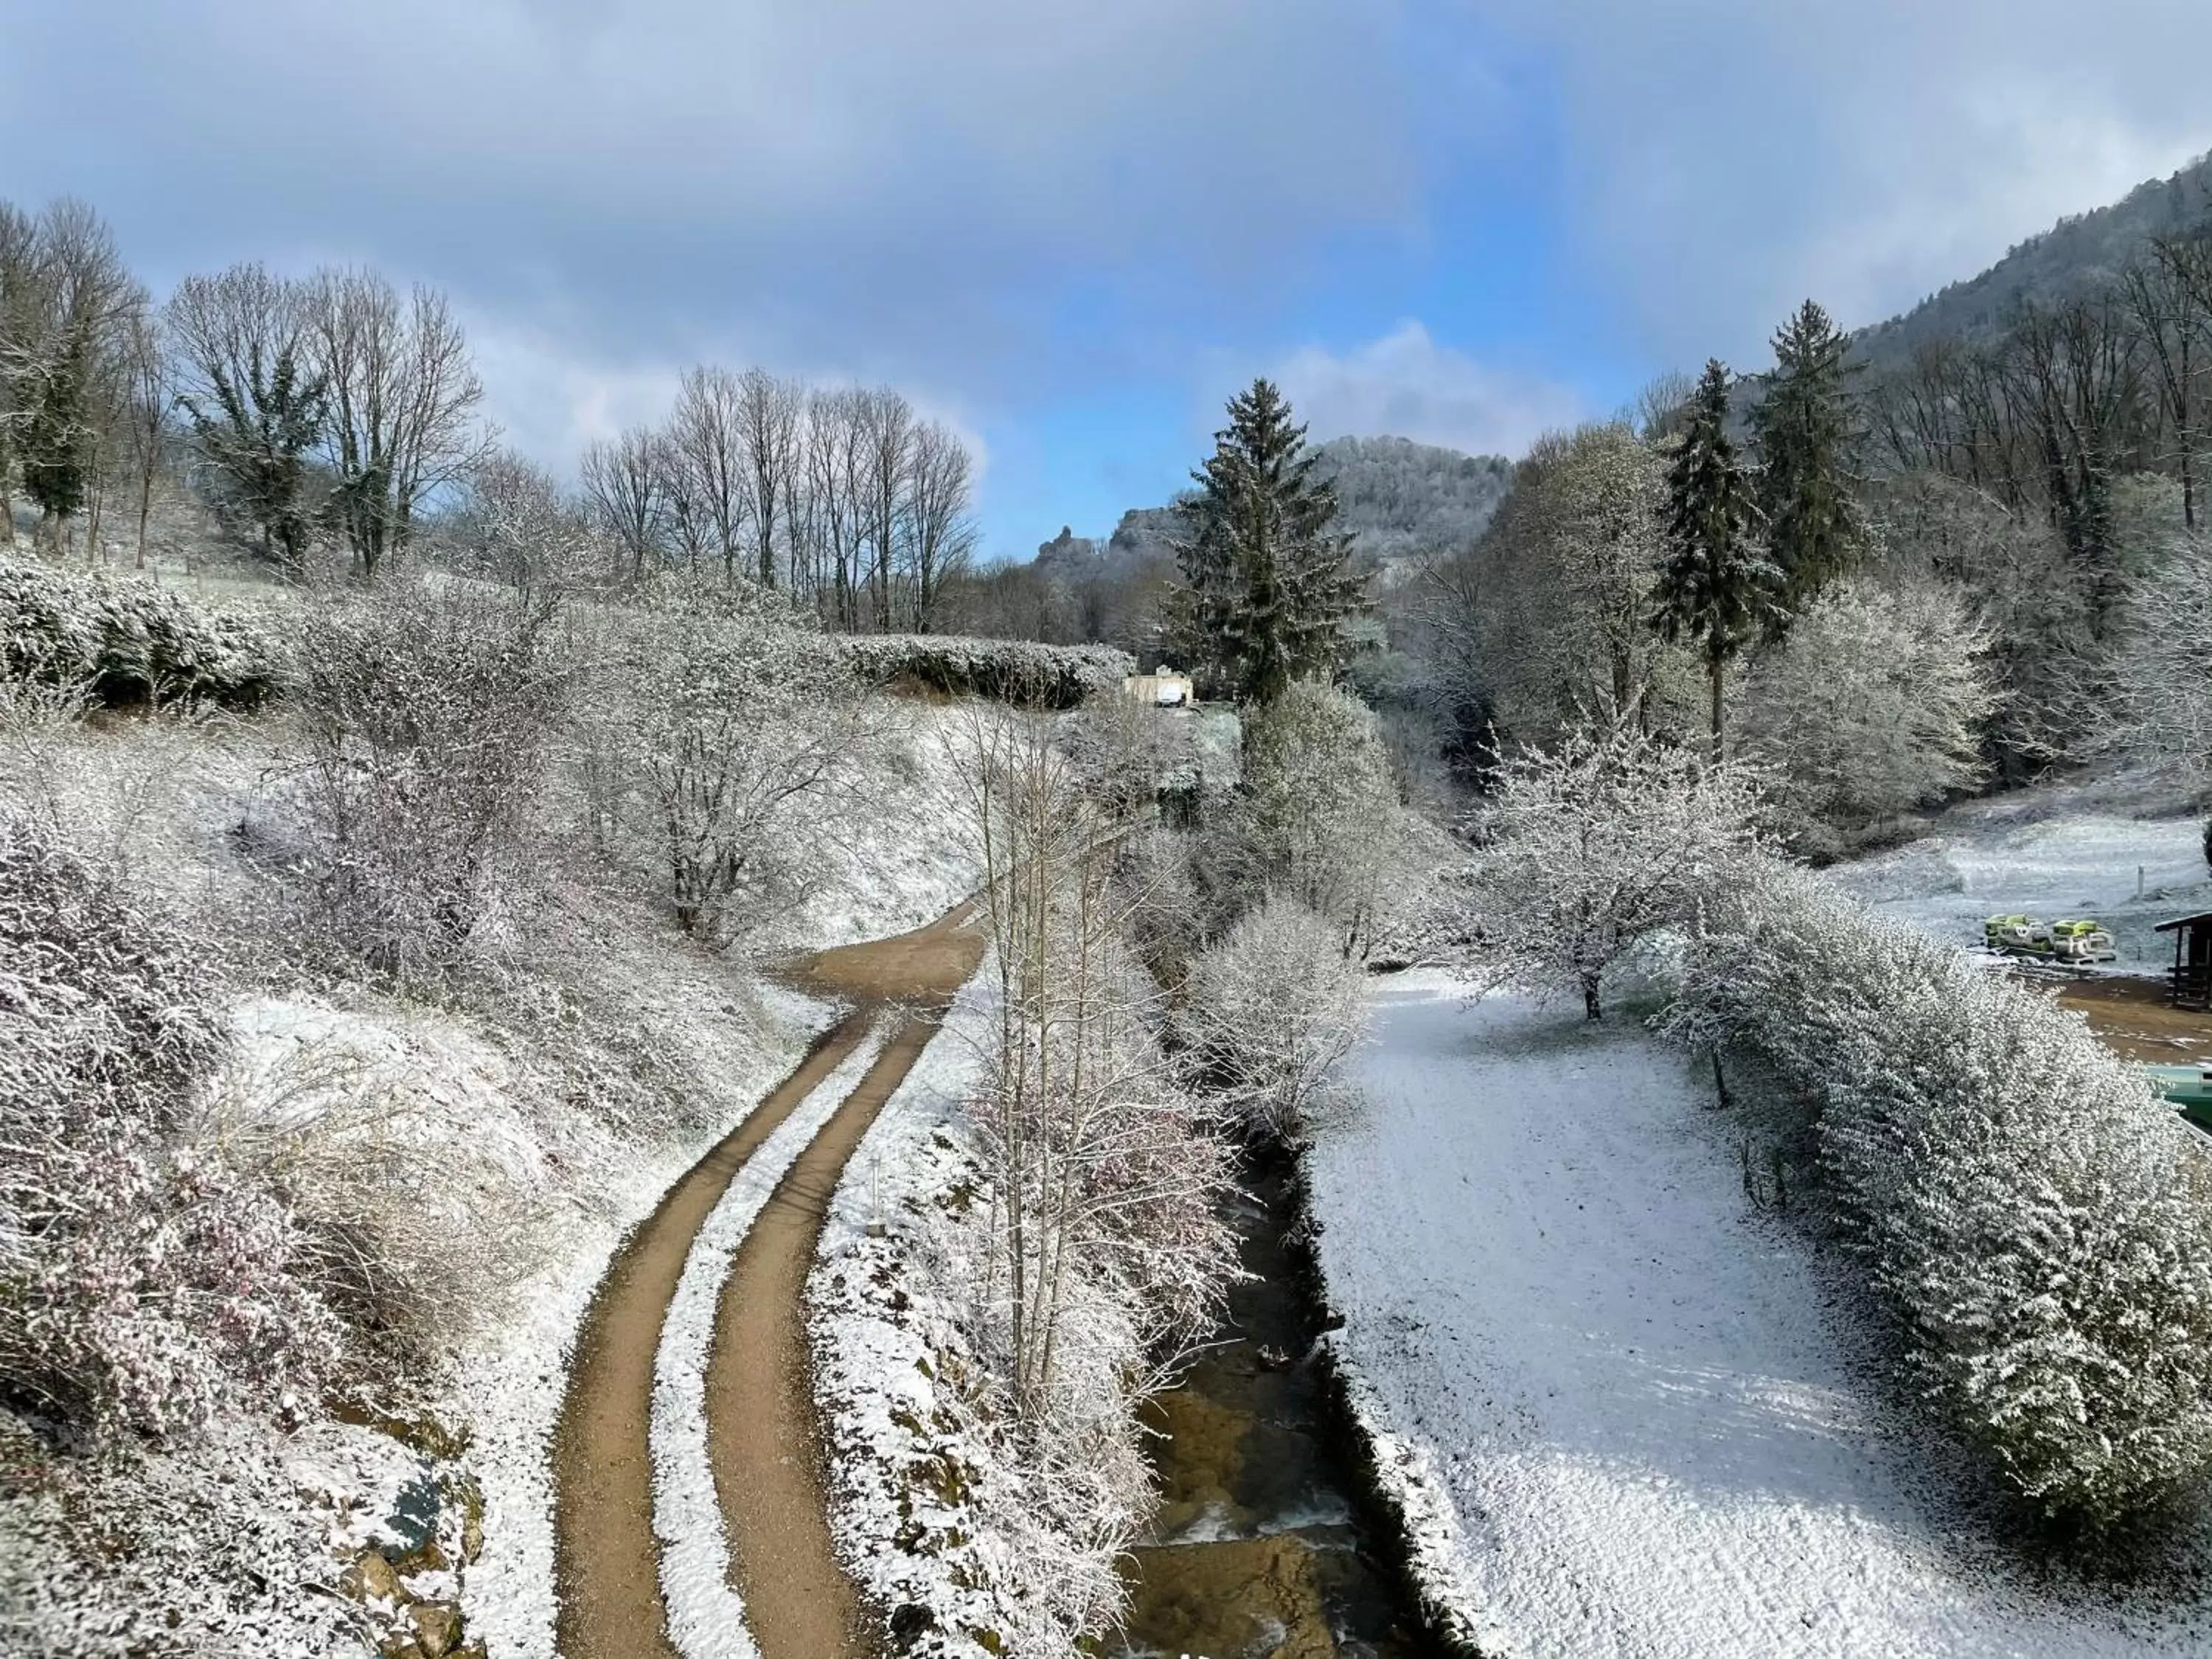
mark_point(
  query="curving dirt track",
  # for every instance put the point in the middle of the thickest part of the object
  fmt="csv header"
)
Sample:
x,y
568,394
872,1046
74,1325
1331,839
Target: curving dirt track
x,y
763,1436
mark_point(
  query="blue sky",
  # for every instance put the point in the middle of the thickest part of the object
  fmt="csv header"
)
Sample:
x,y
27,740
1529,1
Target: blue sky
x,y
1073,231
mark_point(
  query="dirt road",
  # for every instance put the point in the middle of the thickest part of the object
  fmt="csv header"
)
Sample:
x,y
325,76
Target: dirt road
x,y
763,1436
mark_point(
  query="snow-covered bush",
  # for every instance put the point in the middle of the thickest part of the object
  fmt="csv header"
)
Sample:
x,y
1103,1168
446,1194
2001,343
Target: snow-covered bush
x,y
144,1282
129,639
425,713
1269,1011
2040,1225
1594,844
1318,817
1874,707
1009,671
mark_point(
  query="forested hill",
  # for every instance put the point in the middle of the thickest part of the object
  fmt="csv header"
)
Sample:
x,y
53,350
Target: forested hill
x,y
2076,256
1398,498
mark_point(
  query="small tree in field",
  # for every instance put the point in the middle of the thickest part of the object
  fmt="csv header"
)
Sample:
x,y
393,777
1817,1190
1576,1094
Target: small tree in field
x,y
737,717
1597,844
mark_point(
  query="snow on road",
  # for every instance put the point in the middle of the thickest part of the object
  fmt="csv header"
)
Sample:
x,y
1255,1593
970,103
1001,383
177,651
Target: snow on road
x,y
2075,848
1618,1394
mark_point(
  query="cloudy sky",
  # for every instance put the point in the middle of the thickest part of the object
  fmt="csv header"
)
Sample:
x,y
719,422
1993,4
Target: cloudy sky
x,y
1074,230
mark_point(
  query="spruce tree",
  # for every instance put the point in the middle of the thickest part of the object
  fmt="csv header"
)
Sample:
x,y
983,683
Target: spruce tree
x,y
1804,435
1269,587
1716,587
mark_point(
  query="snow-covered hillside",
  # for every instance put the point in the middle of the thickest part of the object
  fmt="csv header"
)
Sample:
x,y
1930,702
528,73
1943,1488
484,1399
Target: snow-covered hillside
x,y
1622,1407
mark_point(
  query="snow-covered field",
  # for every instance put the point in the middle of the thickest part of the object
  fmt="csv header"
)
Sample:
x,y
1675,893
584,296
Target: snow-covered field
x,y
1622,1408
2076,848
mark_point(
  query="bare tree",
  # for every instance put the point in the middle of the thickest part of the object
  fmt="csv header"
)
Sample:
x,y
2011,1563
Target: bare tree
x,y
886,432
768,417
708,448
625,483
404,399
1100,1165
2169,294
940,533
65,325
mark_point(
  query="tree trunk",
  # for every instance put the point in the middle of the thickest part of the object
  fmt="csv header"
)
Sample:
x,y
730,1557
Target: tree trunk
x,y
1718,668
1592,1007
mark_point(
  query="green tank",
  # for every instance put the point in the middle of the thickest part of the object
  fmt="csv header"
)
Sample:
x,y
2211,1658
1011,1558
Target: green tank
x,y
2189,1087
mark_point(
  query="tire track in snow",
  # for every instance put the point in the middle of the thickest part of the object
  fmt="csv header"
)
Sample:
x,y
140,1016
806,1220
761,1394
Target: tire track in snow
x,y
605,1567
706,1614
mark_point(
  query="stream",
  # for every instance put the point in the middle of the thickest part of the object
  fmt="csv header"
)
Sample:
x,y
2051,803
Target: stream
x,y
1262,1548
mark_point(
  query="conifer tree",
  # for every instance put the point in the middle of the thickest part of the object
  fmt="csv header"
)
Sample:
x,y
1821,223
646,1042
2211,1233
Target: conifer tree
x,y
1269,587
1716,587
1804,435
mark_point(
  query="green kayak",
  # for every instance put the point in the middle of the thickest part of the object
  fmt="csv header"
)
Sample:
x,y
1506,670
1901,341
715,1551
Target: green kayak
x,y
2189,1087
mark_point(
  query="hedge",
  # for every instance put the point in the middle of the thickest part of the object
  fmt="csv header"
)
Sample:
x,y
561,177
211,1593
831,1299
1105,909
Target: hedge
x,y
133,640
1010,671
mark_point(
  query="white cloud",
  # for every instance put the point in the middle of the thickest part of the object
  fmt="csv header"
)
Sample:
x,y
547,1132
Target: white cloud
x,y
1723,159
1406,385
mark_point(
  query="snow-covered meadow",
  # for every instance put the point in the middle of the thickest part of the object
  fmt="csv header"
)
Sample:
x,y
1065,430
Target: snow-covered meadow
x,y
2081,847
1625,1412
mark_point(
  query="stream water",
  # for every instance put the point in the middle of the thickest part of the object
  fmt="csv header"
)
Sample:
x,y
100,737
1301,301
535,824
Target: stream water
x,y
1262,1548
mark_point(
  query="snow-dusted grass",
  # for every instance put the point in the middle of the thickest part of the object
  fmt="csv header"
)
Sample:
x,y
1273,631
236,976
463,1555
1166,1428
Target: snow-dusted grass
x,y
1620,1408
706,1614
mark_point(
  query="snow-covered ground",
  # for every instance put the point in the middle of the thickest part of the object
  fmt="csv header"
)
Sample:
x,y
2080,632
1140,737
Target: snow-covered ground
x,y
1621,1407
2082,847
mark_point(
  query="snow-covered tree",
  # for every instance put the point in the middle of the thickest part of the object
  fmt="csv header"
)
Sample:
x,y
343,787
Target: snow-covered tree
x,y
741,729
1805,433
1873,706
2032,1216
1105,1169
1599,841
1716,587
1319,815
426,720
1270,584
2157,709
1269,1011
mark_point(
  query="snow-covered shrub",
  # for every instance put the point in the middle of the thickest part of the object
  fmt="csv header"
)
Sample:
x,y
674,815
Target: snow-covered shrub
x,y
1318,817
144,1282
1268,1012
1009,671
737,726
2038,1223
425,712
1593,845
1874,707
129,639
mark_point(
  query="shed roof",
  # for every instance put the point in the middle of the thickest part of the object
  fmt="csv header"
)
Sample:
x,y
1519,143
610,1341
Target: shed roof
x,y
2202,919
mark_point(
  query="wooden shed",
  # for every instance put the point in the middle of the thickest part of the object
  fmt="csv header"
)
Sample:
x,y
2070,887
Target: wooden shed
x,y
2190,986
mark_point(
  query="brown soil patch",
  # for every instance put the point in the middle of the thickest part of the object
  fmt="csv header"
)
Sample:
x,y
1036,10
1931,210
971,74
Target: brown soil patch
x,y
2135,1020
763,1438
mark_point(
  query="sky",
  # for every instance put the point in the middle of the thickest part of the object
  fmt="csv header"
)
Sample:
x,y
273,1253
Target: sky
x,y
1073,232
